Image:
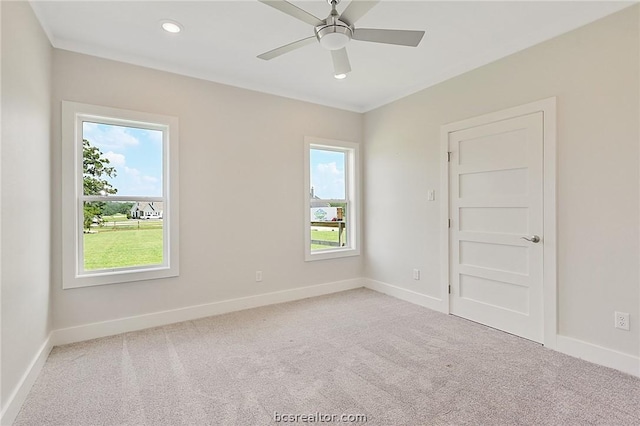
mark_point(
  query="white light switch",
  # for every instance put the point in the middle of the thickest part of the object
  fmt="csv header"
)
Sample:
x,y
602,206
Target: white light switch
x,y
431,195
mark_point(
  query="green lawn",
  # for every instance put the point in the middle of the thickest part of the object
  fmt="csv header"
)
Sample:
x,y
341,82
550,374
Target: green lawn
x,y
326,236
120,248
129,246
116,217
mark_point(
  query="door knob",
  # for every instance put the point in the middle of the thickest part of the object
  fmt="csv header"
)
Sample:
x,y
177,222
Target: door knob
x,y
533,239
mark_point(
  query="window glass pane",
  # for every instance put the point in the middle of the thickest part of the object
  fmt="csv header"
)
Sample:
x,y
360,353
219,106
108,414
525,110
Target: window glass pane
x,y
121,160
329,227
327,175
328,219
120,234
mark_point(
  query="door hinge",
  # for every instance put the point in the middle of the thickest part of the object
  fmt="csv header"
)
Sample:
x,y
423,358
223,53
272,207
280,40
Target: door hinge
x,y
449,223
449,288
449,156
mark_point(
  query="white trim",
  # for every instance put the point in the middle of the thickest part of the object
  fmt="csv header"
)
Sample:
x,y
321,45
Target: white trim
x,y
73,114
599,355
444,217
353,177
638,328
549,262
548,108
155,319
20,392
573,347
2,409
407,295
567,345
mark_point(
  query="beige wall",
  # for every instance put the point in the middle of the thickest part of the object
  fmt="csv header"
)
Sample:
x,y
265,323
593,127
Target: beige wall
x,y
241,154
26,200
594,72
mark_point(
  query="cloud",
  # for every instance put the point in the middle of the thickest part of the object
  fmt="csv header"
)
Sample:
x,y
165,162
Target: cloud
x,y
115,159
328,181
109,137
133,172
329,168
133,152
137,183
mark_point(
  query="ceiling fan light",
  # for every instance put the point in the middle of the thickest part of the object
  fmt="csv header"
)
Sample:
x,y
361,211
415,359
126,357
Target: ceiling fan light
x,y
334,41
335,36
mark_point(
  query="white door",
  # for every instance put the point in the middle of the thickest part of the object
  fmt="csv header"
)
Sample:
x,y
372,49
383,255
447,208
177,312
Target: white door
x,y
496,208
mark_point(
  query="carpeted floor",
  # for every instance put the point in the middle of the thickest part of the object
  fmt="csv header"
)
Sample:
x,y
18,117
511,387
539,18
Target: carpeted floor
x,y
355,353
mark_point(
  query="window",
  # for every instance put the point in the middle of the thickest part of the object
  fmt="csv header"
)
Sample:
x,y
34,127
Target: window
x,y
120,200
331,199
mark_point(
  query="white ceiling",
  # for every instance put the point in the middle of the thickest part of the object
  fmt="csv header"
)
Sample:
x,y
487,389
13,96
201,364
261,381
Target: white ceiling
x,y
221,40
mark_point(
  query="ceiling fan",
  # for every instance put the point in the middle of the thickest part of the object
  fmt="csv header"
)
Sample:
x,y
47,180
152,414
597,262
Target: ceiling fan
x,y
337,30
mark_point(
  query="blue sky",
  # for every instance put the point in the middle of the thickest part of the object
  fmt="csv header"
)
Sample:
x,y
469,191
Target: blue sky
x,y
135,153
327,173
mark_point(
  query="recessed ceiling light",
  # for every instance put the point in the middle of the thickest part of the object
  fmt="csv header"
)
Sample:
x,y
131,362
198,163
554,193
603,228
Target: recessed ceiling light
x,y
171,26
340,76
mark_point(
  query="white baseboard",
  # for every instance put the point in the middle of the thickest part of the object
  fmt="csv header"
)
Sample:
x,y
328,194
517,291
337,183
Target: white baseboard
x,y
407,295
577,348
155,319
599,355
19,394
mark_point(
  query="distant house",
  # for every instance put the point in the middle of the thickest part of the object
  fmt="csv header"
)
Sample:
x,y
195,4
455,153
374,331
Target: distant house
x,y
147,210
317,201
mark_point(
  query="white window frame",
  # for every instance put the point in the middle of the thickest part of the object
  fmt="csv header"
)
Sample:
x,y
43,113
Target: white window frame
x,y
352,195
73,198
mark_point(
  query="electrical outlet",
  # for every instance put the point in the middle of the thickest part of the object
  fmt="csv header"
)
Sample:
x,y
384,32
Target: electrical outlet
x,y
416,274
258,276
622,320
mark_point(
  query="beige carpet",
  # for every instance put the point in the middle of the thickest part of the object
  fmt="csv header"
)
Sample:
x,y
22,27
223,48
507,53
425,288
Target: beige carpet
x,y
356,352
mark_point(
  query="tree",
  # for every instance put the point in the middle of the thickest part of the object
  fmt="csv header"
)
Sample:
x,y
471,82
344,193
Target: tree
x,y
95,170
116,207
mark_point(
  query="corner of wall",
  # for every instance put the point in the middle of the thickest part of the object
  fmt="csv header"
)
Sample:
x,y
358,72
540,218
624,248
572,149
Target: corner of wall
x,y
26,252
19,395
407,295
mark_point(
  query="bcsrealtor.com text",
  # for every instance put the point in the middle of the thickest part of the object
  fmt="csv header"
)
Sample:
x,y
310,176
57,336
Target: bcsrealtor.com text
x,y
318,417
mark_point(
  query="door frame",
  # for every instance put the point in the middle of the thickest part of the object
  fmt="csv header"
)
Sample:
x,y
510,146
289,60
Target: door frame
x,y
549,263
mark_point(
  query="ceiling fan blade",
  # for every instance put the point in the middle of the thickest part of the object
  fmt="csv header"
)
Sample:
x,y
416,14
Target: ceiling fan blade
x,y
400,37
341,63
356,10
287,48
292,10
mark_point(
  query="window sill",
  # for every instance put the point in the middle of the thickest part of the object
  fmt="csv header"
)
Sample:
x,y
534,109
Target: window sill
x,y
331,254
120,277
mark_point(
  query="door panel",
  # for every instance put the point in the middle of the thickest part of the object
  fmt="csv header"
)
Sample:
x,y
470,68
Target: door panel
x,y
494,293
496,182
493,182
477,152
499,257
512,220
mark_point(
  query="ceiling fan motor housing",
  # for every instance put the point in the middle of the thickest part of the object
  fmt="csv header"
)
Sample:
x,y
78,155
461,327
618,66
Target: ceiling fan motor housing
x,y
334,35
